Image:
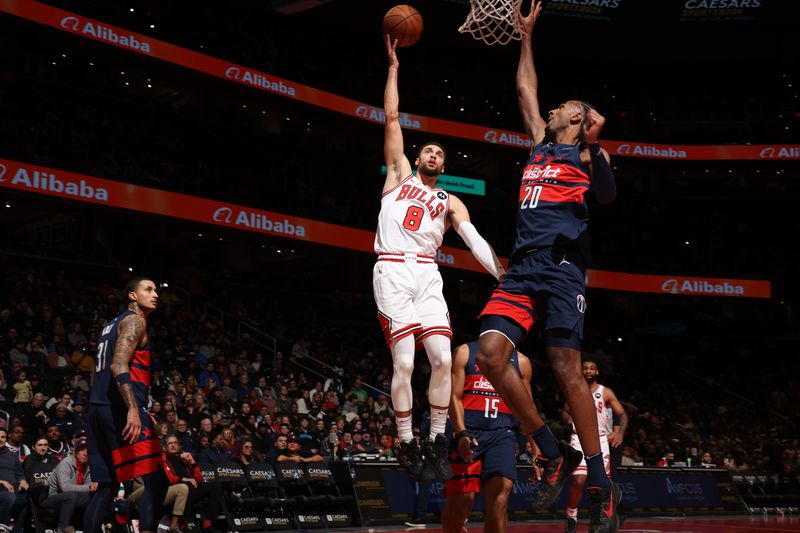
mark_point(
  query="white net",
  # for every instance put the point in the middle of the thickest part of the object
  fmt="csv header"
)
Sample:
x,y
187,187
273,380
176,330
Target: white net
x,y
493,21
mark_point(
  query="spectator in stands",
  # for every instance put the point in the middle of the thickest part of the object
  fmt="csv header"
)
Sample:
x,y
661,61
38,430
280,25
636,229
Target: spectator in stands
x,y
56,445
57,359
344,447
184,435
70,487
16,441
79,415
294,453
34,415
37,463
206,429
351,408
181,468
216,453
667,460
706,460
381,408
247,453
367,443
629,457
12,484
229,440
284,402
209,374
281,445
23,390
385,447
65,399
64,420
263,438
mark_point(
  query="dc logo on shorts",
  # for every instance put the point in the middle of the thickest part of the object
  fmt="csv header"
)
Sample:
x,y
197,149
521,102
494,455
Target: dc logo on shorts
x,y
581,304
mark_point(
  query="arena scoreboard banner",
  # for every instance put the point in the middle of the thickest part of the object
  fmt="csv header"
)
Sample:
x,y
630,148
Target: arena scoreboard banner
x,y
387,495
234,73
34,179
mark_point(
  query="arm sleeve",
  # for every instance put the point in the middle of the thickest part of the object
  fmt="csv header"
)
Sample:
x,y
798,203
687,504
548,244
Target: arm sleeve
x,y
481,249
603,184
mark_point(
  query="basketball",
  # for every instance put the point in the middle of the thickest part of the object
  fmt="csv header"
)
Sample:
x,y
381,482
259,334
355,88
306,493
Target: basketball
x,y
403,23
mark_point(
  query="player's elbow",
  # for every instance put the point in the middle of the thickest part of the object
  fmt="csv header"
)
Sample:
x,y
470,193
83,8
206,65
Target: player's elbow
x,y
392,115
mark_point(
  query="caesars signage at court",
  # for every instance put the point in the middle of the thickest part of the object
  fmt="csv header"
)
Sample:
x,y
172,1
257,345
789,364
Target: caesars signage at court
x,y
28,178
138,43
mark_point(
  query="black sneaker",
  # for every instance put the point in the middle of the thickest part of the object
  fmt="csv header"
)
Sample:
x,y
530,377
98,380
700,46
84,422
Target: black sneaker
x,y
605,509
572,525
437,458
556,472
410,457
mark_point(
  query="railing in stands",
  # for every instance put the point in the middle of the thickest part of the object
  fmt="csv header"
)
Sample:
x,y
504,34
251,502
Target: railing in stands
x,y
256,336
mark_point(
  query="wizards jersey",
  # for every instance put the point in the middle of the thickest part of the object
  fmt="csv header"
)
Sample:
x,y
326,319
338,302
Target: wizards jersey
x,y
104,388
483,407
413,219
552,209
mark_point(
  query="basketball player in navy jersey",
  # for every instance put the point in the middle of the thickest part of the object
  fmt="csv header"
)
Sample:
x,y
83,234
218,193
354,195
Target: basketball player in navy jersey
x,y
485,442
122,441
545,281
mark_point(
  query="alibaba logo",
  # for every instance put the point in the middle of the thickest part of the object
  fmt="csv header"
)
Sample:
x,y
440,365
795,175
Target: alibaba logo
x,y
232,72
3,170
223,214
624,149
362,111
767,153
71,23
671,286
490,136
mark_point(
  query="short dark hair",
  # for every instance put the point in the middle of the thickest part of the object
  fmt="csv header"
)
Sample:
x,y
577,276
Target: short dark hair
x,y
133,284
432,143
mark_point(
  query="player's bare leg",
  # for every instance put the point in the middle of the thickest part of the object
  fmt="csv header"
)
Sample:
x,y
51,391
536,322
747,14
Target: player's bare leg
x,y
496,491
573,500
456,511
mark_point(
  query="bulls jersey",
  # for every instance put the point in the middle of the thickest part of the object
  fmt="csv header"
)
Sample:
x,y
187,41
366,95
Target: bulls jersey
x,y
605,415
413,219
104,388
552,210
483,407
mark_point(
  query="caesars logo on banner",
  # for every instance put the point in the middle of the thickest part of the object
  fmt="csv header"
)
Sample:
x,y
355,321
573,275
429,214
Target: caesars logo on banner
x,y
771,152
260,80
646,150
701,287
106,33
376,114
253,220
594,9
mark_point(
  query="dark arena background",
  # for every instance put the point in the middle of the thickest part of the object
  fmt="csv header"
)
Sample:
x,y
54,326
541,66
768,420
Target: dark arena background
x,y
233,152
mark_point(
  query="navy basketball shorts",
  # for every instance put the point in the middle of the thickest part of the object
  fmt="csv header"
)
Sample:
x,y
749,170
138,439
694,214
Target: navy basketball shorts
x,y
543,288
111,458
494,456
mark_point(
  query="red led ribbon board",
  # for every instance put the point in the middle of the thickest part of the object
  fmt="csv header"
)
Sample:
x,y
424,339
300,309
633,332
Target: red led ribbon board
x,y
142,44
29,178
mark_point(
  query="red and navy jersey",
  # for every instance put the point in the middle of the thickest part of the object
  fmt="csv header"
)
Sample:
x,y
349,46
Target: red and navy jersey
x,y
104,388
552,209
483,407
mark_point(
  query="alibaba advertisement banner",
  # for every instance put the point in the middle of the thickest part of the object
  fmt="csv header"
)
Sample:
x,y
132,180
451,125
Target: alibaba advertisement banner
x,y
142,44
24,177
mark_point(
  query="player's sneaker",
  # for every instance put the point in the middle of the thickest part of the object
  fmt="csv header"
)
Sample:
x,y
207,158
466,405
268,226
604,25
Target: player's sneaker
x,y
572,525
605,509
556,472
437,458
410,457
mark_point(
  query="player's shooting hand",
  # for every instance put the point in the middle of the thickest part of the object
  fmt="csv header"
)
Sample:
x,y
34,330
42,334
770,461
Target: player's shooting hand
x,y
133,427
529,20
592,125
465,445
615,439
391,50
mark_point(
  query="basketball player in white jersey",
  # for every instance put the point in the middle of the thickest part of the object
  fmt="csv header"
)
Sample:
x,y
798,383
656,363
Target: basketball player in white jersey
x,y
407,285
606,405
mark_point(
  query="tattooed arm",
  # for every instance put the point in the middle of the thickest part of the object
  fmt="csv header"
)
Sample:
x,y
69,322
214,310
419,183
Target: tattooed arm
x,y
132,331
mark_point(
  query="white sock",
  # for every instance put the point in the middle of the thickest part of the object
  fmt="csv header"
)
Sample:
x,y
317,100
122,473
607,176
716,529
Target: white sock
x,y
438,422
404,432
572,513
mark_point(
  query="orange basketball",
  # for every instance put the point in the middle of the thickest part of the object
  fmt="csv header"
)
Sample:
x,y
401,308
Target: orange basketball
x,y
403,23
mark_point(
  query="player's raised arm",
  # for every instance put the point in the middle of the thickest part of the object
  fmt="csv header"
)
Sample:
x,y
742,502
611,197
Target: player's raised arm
x,y
603,183
397,165
483,252
456,410
132,330
527,82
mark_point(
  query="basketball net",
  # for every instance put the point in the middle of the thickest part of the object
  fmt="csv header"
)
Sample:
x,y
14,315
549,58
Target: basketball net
x,y
493,21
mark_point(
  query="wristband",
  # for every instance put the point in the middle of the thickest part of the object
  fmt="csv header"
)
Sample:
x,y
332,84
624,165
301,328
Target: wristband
x,y
463,433
123,378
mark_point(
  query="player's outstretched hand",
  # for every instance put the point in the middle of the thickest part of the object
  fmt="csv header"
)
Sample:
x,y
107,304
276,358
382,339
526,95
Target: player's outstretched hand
x,y
529,20
133,427
592,125
465,445
391,50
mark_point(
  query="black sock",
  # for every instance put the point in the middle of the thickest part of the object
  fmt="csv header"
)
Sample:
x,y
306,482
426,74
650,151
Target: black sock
x,y
596,471
547,443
